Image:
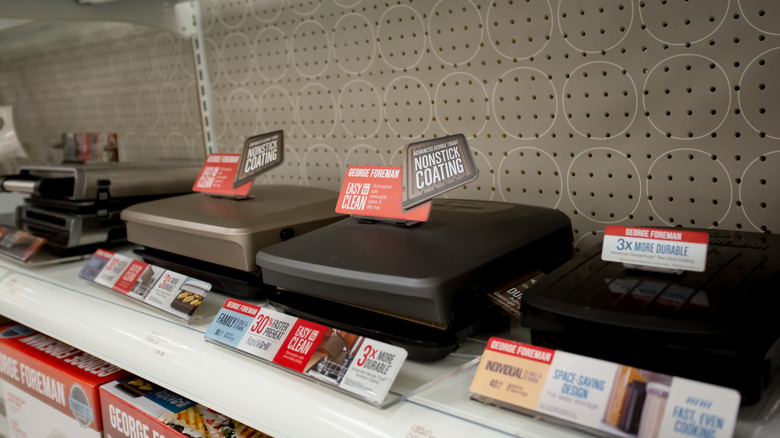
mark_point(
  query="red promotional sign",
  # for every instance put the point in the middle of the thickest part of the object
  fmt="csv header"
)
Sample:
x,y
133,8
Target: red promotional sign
x,y
376,192
218,174
300,345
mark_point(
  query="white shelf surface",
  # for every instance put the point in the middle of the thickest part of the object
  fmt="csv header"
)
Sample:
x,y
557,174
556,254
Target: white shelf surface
x,y
54,300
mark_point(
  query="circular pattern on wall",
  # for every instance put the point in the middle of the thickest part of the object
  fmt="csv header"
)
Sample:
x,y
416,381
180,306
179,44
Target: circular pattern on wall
x,y
599,100
455,31
354,43
762,15
172,105
289,172
316,110
707,96
310,48
218,116
177,141
272,53
277,110
528,175
407,107
360,109
322,167
231,15
364,155
757,95
140,52
519,29
525,103
689,187
236,58
147,107
212,65
240,113
595,26
164,55
484,187
758,189
678,23
69,71
461,104
347,3
305,7
123,106
119,57
604,185
267,10
401,37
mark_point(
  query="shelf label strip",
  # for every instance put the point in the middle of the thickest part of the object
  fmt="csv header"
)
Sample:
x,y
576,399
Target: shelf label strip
x,y
600,395
359,366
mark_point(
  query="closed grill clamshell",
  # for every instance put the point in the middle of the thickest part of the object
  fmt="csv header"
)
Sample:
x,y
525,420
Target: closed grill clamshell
x,y
714,326
432,273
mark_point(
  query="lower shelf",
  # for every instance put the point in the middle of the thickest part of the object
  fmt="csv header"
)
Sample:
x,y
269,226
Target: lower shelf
x,y
54,300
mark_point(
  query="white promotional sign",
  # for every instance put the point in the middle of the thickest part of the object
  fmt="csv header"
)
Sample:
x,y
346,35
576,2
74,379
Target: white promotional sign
x,y
668,249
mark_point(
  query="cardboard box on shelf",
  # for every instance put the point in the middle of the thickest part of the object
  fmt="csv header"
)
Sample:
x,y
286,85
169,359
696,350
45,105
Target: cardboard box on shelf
x,y
135,407
42,378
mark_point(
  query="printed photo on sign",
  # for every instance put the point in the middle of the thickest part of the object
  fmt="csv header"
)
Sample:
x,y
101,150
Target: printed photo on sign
x,y
334,355
178,294
144,283
261,153
432,167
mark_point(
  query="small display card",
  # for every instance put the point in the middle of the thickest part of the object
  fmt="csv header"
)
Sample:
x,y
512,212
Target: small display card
x,y
375,192
432,167
217,176
601,395
354,364
169,291
667,249
261,153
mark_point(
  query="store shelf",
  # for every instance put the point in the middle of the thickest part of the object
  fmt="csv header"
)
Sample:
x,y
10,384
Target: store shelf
x,y
54,300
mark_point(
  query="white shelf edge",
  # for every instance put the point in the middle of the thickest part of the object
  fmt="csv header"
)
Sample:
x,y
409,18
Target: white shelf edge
x,y
267,398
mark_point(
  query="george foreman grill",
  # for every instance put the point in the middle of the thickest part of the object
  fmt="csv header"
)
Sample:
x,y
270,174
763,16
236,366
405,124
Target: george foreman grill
x,y
215,239
421,287
715,326
76,207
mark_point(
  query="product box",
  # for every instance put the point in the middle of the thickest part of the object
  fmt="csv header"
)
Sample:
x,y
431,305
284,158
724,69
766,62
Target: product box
x,y
49,389
135,407
90,146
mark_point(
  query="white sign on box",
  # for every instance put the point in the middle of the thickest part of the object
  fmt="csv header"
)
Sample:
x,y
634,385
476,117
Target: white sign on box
x,y
666,249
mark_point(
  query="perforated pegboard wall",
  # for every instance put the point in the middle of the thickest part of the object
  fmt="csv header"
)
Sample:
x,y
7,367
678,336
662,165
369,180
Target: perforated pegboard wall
x,y
628,112
133,80
644,112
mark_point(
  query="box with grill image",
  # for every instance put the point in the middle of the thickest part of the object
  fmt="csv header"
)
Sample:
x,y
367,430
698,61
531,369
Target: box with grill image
x,y
134,405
